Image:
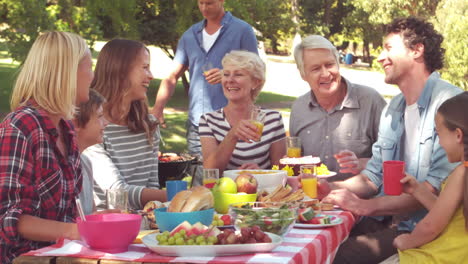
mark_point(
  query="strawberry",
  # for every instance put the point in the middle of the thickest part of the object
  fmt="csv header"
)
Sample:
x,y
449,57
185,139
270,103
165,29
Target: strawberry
x,y
226,219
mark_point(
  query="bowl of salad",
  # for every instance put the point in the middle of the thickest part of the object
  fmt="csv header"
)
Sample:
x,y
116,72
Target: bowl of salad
x,y
273,217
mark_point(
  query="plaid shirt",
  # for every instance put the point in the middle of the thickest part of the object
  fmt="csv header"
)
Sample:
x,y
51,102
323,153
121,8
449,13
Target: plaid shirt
x,y
35,178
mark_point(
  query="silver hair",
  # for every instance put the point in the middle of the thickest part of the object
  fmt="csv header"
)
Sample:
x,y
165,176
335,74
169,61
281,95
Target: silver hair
x,y
313,42
250,62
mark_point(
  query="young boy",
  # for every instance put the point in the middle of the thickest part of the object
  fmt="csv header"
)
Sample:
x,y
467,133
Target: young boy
x,y
89,124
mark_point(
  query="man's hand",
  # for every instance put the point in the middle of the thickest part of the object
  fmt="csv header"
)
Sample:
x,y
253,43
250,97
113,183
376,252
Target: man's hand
x,y
348,162
213,76
346,200
323,189
160,116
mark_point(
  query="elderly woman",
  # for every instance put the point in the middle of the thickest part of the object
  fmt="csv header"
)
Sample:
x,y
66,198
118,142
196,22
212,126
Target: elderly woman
x,y
229,139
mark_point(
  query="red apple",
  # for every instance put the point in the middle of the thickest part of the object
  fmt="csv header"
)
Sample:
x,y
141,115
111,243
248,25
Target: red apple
x,y
246,183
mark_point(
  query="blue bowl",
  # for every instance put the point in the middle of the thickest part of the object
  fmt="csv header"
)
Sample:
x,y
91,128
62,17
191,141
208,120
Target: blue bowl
x,y
167,221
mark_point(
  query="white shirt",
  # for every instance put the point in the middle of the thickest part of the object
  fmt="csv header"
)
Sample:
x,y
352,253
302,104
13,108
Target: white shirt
x,y
209,40
412,121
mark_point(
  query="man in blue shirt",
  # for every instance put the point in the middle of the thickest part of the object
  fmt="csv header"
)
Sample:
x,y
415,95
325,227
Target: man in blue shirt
x,y
201,47
411,54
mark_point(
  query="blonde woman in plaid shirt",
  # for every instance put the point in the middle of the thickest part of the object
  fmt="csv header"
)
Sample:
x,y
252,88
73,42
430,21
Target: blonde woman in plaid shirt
x,y
40,169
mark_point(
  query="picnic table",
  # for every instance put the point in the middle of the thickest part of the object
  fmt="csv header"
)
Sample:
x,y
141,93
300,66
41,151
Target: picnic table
x,y
318,245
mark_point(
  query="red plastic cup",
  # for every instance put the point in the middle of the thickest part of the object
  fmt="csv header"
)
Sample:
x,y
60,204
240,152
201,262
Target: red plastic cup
x,y
393,172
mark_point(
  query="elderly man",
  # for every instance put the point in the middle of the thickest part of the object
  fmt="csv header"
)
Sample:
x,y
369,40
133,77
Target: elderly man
x,y
337,120
411,54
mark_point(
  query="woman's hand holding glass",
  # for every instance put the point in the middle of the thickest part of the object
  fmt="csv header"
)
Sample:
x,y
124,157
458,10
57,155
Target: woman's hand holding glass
x,y
213,76
246,131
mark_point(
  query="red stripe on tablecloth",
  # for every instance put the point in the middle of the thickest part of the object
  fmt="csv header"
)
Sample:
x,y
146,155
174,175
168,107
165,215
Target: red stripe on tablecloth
x,y
315,251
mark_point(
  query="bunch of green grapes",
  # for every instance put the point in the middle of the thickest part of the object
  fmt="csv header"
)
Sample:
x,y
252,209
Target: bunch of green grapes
x,y
217,221
180,238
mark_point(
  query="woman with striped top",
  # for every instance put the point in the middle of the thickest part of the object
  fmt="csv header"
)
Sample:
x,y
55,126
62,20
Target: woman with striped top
x,y
229,139
128,157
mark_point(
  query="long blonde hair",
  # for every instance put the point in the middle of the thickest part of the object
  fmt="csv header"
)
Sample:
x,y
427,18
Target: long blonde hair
x,y
49,73
113,67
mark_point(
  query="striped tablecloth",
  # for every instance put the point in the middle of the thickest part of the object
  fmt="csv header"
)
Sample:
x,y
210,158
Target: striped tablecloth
x,y
298,246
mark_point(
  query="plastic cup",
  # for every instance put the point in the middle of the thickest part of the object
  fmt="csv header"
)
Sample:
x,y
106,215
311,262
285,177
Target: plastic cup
x,y
173,187
393,172
117,199
293,145
309,180
257,117
210,176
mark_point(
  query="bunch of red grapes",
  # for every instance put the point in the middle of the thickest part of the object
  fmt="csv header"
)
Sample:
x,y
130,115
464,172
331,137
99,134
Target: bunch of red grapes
x,y
247,235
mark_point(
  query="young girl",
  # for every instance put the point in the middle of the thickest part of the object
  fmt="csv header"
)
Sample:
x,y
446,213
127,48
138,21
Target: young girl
x,y
128,157
40,172
89,124
441,237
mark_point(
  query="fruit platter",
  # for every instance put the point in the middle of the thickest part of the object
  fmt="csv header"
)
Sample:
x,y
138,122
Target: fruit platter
x,y
309,218
199,240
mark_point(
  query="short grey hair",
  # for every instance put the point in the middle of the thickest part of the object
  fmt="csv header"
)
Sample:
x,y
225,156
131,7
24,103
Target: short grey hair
x,y
313,42
250,62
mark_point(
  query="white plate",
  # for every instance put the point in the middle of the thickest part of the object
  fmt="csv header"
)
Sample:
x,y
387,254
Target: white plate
x,y
331,174
267,179
336,220
207,251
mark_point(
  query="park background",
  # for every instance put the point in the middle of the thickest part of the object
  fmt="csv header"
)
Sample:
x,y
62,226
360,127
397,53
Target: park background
x,y
354,26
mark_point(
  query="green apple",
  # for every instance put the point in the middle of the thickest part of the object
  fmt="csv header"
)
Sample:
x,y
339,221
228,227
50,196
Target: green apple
x,y
226,185
188,179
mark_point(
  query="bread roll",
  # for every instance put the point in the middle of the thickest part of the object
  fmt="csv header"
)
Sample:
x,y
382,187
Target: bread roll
x,y
179,201
200,199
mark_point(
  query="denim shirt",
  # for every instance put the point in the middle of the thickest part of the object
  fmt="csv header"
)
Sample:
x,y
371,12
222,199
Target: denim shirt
x,y
430,160
234,34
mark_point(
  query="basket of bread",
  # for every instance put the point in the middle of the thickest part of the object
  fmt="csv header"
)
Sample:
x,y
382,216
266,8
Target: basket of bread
x,y
194,205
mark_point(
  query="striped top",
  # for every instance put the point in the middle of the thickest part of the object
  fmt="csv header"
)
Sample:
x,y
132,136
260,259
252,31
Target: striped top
x,y
215,125
124,160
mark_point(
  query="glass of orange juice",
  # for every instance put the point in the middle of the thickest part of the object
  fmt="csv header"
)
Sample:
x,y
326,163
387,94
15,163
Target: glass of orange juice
x,y
293,145
309,180
257,118
206,67
210,176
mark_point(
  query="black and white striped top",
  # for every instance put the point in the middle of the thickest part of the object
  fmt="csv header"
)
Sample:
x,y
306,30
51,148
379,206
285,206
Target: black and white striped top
x,y
215,125
124,161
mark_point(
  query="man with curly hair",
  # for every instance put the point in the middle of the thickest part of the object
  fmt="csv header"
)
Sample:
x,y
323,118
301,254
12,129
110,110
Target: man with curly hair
x,y
411,54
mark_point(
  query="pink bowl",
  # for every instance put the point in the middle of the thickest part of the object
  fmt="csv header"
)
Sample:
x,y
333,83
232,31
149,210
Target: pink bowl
x,y
111,233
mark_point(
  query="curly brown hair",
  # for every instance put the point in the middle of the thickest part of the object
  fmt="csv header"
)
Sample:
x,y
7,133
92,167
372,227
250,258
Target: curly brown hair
x,y
418,31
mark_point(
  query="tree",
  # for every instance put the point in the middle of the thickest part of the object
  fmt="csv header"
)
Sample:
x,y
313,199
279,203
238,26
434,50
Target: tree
x,y
271,18
23,21
452,21
323,17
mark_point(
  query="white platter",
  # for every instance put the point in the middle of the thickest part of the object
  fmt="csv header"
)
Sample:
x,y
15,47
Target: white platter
x,y
336,220
267,179
208,251
330,174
